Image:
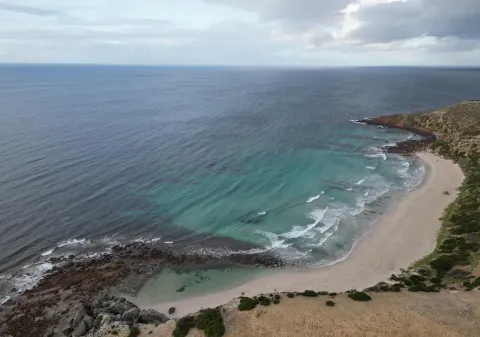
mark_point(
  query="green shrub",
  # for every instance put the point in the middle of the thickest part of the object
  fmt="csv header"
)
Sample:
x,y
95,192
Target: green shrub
x,y
332,294
359,296
436,280
309,293
397,287
414,288
290,295
330,303
322,293
416,279
247,303
277,297
276,301
183,326
475,283
211,322
264,300
444,263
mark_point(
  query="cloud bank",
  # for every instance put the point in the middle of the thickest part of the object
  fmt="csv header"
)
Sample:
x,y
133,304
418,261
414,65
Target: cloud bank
x,y
250,32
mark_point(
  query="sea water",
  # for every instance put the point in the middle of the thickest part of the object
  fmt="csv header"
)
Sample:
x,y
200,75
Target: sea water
x,y
254,158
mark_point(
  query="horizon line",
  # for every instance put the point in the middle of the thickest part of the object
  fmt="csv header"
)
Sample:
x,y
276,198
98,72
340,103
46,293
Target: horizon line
x,y
233,65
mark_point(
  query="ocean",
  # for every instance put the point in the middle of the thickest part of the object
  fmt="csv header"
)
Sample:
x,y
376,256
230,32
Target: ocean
x,y
252,159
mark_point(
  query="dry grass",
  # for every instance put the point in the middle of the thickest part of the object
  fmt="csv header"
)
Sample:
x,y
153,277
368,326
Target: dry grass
x,y
405,314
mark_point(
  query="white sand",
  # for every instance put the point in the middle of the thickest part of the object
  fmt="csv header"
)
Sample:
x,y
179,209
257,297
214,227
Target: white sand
x,y
400,237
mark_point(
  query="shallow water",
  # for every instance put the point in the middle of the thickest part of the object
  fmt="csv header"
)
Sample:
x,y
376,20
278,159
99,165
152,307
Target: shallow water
x,y
171,285
98,156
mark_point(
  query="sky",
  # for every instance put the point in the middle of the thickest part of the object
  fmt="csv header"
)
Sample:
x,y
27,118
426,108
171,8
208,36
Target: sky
x,y
242,32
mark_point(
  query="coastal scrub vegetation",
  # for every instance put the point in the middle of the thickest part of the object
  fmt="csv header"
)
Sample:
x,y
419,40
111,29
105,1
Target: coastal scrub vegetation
x,y
247,303
360,296
458,130
208,320
211,322
183,326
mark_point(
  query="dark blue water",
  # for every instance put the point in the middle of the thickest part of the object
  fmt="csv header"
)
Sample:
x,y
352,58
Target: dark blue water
x,y
93,156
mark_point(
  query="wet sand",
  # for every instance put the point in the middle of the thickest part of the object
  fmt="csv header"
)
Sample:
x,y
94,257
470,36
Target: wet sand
x,y
401,236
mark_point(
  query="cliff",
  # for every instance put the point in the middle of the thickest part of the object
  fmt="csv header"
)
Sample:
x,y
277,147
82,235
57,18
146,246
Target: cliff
x,y
457,128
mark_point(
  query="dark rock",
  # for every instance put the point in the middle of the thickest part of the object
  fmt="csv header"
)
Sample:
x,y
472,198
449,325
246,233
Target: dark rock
x,y
98,321
88,321
151,316
78,317
181,289
117,308
459,273
81,330
131,315
171,310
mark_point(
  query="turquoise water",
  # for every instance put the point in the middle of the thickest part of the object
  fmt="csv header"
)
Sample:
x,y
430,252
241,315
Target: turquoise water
x,y
308,204
170,285
219,160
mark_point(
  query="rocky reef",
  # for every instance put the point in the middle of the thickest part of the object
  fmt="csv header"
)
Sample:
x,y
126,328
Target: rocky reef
x,y
72,299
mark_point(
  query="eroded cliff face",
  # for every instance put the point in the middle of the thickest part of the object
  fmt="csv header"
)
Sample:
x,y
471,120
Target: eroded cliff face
x,y
457,128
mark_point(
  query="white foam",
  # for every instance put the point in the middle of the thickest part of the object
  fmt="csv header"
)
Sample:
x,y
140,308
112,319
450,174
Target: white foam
x,y
331,219
48,252
357,121
31,276
403,171
108,240
311,199
74,242
275,242
168,242
147,240
262,213
360,181
5,276
378,155
371,167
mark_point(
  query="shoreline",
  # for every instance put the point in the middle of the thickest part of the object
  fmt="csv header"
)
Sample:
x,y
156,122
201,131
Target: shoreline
x,y
395,241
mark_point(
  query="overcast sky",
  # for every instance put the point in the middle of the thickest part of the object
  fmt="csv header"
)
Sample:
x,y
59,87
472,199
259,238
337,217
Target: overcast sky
x,y
241,32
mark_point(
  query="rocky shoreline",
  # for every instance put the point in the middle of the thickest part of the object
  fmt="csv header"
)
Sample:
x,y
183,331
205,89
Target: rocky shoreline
x,y
80,288
405,147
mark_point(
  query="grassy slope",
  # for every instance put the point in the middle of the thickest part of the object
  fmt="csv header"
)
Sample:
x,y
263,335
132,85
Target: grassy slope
x,y
458,128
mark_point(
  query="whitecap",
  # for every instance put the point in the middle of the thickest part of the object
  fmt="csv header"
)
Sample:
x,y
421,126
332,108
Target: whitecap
x,y
360,181
74,242
371,167
315,197
378,155
262,213
331,219
168,242
403,171
5,276
357,121
147,240
108,240
48,252
31,275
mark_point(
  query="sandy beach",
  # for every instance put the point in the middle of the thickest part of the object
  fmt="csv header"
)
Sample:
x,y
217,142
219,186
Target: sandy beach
x,y
400,237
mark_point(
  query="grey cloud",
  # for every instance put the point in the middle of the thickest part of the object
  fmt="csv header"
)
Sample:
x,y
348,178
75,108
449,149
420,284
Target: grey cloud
x,y
291,10
311,20
29,10
395,21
